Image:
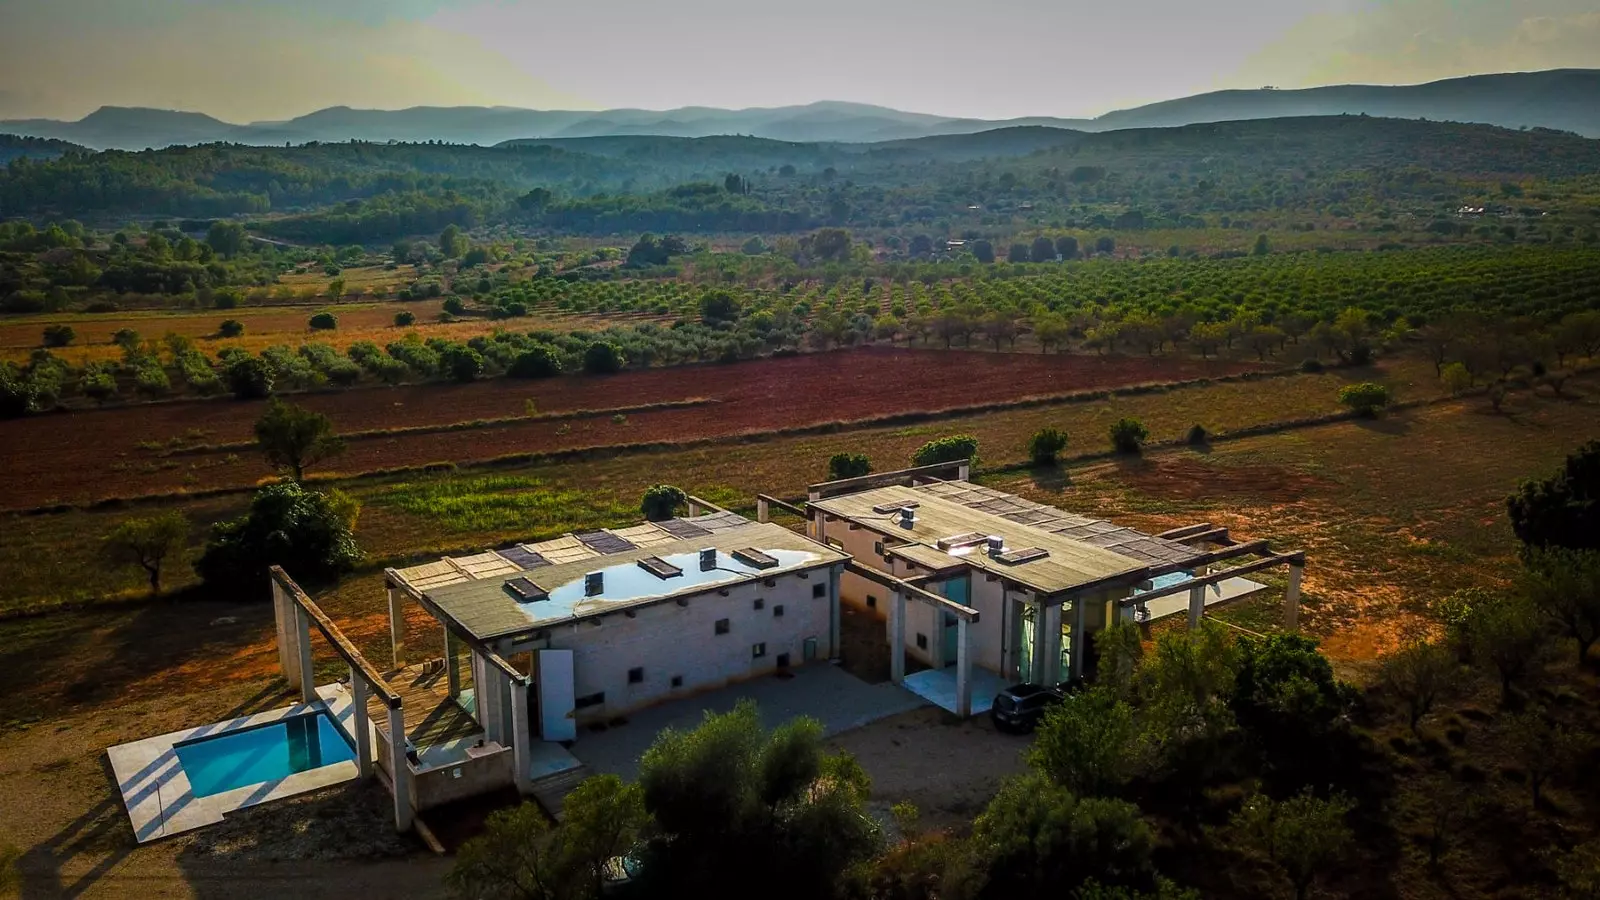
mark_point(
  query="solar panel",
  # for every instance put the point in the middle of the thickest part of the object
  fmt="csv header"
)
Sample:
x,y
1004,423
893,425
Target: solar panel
x,y
522,557
659,567
525,590
1026,554
682,528
603,541
750,556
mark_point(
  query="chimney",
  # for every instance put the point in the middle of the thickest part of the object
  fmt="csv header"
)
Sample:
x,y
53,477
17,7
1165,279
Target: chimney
x,y
997,545
594,583
908,516
708,559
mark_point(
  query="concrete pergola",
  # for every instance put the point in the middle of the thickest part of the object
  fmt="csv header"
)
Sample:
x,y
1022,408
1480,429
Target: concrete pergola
x,y
295,613
900,591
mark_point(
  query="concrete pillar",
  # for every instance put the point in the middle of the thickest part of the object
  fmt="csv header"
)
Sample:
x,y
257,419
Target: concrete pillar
x,y
963,670
1080,638
283,615
401,775
1291,598
763,511
1047,645
818,533
363,728
308,676
397,628
452,671
897,636
964,471
1197,605
521,737
835,614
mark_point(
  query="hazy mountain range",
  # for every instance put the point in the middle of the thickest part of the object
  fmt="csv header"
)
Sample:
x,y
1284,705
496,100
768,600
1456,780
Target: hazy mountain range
x,y
1565,99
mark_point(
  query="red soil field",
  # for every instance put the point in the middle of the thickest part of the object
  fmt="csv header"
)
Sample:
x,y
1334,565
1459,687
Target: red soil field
x,y
82,456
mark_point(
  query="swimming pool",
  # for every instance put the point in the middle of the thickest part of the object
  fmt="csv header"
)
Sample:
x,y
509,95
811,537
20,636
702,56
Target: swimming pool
x,y
248,756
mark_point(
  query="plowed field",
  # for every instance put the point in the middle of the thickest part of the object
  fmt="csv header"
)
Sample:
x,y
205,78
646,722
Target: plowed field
x,y
81,456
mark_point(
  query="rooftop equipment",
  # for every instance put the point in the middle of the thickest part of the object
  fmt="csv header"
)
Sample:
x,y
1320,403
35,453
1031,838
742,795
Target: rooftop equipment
x,y
754,558
997,544
526,591
659,567
594,584
708,559
908,516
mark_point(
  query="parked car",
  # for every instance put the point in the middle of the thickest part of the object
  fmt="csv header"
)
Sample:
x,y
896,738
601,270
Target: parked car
x,y
1020,707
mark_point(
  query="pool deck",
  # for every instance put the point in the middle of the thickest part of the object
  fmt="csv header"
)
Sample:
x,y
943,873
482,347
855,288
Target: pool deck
x,y
156,791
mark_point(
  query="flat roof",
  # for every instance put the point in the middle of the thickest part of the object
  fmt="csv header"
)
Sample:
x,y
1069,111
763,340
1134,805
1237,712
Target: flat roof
x,y
488,609
1079,551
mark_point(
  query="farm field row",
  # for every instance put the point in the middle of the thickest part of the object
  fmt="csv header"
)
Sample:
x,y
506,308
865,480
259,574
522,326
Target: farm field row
x,y
45,558
269,325
82,456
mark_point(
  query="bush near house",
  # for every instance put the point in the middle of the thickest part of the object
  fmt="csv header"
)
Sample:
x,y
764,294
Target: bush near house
x,y
848,465
324,322
1366,398
1045,445
1128,435
662,501
952,448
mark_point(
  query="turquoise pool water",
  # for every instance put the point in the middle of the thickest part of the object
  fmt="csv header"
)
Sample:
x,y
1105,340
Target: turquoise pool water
x,y
263,753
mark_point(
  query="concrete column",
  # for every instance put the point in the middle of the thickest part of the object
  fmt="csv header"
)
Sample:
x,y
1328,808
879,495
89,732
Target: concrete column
x,y
283,614
401,775
521,737
397,628
963,670
1197,605
1047,645
897,636
835,614
452,671
1291,598
308,675
1080,638
964,472
363,728
763,511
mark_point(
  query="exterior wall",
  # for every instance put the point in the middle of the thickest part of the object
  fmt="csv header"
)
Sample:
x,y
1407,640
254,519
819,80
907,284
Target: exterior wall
x,y
668,640
468,778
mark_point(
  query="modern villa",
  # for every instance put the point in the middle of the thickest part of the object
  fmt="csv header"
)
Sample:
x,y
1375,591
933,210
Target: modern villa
x,y
968,589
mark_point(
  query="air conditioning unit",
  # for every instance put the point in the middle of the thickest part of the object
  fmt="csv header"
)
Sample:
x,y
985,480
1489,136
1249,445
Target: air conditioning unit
x,y
997,544
908,517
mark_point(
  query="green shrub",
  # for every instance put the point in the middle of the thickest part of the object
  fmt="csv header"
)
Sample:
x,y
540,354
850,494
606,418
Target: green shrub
x,y
248,377
230,328
951,448
324,321
152,381
661,502
59,335
1310,365
535,362
1128,435
306,532
1197,436
405,319
454,306
1365,398
848,465
603,358
1045,445
462,363
98,384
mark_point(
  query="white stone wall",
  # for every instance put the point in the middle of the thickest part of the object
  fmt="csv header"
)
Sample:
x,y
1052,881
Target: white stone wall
x,y
668,640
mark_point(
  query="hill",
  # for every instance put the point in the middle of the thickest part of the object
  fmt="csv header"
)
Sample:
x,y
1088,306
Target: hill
x,y
1567,100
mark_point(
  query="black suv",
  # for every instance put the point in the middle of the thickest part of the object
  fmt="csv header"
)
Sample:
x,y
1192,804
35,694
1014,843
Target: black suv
x,y
1019,707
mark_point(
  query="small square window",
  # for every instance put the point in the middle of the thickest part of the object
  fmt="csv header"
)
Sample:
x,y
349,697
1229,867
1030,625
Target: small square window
x,y
819,590
922,642
777,611
758,651
677,681
636,675
877,547
760,603
872,602
783,660
722,626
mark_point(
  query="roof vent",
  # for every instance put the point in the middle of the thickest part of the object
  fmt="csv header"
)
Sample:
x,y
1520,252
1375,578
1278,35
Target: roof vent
x,y
958,541
594,583
526,591
659,567
708,559
908,516
754,558
1026,554
997,544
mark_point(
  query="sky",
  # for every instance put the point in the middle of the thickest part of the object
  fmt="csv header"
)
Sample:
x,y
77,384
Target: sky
x,y
255,60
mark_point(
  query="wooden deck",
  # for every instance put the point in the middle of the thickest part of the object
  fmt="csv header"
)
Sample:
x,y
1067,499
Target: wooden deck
x,y
552,790
432,716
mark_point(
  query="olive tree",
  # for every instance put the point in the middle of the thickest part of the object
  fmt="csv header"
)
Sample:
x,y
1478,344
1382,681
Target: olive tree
x,y
1304,836
149,542
293,438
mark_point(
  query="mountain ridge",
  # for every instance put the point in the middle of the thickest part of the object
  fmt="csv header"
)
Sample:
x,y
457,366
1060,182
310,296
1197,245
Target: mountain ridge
x,y
1561,99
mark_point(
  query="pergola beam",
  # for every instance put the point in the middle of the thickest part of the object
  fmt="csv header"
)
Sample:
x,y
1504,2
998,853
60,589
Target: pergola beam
x,y
965,613
1178,534
336,638
396,580
1295,559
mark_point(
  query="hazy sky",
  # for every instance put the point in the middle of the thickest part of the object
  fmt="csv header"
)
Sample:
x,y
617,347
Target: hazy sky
x,y
245,60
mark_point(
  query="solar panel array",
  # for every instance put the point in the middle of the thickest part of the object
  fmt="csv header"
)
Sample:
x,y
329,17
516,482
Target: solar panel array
x,y
564,549
1123,541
